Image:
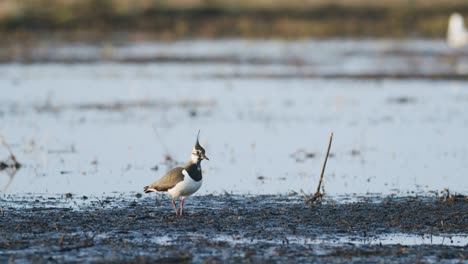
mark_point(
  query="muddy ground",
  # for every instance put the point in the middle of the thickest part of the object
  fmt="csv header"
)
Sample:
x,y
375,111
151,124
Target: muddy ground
x,y
132,228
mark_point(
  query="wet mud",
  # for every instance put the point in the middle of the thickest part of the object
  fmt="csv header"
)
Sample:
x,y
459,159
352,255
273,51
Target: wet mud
x,y
230,228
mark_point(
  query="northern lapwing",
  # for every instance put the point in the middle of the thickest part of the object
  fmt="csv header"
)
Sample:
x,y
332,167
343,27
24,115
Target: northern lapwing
x,y
182,181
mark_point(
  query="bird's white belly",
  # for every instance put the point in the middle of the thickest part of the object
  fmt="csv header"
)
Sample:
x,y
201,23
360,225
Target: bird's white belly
x,y
185,188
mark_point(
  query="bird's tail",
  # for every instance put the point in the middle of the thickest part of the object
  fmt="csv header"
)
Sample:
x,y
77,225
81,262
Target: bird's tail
x,y
148,189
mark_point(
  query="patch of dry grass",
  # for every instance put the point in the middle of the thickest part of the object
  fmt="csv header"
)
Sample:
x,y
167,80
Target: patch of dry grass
x,y
228,18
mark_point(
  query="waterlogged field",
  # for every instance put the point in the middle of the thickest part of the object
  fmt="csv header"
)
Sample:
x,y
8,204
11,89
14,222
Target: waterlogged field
x,y
93,128
94,124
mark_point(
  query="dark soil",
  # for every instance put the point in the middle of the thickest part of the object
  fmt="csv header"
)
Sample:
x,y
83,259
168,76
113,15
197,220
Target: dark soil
x,y
224,228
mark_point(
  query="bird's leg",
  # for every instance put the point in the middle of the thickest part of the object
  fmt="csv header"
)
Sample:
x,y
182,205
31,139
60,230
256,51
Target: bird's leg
x,y
175,206
182,206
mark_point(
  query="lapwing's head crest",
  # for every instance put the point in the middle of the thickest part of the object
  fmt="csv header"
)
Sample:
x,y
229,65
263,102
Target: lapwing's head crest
x,y
198,152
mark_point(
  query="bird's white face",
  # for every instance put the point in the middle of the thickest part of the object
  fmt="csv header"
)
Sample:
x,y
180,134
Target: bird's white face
x,y
198,154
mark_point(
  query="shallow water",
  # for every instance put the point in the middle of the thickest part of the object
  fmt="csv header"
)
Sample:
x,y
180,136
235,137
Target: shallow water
x,y
390,239
338,56
100,128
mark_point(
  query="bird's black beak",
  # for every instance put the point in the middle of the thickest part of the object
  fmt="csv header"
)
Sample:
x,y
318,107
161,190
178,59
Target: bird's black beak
x,y
205,157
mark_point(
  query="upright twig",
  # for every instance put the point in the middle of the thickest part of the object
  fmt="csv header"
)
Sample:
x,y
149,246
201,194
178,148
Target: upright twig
x,y
325,163
7,146
318,195
15,164
11,165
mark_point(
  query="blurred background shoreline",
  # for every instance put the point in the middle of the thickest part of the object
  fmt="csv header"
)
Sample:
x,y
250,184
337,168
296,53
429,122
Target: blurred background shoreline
x,y
144,20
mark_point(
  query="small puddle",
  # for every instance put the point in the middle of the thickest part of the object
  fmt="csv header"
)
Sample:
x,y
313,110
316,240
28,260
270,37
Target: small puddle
x,y
389,239
409,240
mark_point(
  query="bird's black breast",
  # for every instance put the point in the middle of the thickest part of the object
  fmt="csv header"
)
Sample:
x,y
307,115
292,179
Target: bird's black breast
x,y
194,171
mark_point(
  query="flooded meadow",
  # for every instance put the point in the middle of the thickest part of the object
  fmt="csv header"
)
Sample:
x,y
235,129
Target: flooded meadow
x,y
92,124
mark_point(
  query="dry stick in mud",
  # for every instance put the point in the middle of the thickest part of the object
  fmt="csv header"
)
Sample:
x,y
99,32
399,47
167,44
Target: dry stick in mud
x,y
12,157
11,165
318,195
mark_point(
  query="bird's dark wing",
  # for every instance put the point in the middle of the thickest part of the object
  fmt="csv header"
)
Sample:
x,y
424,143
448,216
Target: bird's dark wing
x,y
169,180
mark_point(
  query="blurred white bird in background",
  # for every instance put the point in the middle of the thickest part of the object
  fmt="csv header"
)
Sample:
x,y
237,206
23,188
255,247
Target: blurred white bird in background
x,y
457,35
